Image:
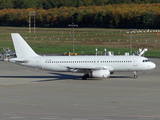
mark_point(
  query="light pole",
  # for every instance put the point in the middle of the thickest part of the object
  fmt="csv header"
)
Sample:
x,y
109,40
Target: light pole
x,y
30,16
73,25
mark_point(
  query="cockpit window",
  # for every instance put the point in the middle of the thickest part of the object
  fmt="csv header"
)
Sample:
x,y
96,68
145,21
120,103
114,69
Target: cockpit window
x,y
146,60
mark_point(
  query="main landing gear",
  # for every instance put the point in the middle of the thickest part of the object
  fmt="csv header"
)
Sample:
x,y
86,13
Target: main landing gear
x,y
85,76
135,75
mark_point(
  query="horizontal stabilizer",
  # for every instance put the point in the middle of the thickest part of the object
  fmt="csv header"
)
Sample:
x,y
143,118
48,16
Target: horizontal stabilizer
x,y
18,60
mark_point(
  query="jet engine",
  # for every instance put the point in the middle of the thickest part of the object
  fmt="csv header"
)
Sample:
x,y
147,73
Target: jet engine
x,y
100,73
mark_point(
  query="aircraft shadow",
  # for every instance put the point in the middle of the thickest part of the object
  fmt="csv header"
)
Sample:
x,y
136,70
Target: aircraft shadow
x,y
121,77
56,76
60,76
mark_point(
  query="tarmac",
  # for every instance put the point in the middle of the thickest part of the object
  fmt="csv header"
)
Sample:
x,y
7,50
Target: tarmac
x,y
30,94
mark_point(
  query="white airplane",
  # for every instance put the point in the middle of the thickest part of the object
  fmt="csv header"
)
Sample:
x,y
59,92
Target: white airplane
x,y
91,66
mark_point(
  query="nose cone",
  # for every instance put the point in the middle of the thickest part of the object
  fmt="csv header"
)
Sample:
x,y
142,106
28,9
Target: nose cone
x,y
152,65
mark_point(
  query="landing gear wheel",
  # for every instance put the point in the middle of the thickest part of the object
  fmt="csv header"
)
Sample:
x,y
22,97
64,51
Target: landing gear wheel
x,y
84,77
135,75
87,75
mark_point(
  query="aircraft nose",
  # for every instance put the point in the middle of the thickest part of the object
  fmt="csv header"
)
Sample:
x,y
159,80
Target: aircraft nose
x,y
153,65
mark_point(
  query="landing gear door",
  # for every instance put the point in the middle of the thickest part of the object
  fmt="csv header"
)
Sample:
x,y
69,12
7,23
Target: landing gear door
x,y
135,61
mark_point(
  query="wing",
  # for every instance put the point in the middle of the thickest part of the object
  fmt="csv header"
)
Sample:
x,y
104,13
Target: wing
x,y
76,68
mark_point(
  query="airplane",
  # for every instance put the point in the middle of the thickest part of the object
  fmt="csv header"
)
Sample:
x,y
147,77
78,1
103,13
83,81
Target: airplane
x,y
91,66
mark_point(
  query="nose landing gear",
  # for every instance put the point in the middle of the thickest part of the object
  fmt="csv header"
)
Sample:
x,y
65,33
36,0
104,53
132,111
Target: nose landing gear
x,y
135,75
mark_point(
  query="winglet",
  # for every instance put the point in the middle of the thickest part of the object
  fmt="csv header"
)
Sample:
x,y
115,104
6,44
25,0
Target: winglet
x,y
21,47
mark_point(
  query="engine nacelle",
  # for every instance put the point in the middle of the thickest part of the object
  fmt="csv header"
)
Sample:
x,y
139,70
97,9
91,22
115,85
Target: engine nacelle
x,y
101,73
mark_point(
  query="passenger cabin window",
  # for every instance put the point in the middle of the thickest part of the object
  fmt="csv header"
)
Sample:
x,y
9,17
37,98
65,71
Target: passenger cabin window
x,y
50,61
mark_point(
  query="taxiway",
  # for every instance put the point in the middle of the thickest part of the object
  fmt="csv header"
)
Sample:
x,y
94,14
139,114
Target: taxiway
x,y
26,93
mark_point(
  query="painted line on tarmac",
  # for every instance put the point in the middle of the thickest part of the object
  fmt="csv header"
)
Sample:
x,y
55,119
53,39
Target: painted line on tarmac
x,y
18,117
84,115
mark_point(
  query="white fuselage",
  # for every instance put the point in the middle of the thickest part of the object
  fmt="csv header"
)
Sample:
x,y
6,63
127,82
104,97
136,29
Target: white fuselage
x,y
112,63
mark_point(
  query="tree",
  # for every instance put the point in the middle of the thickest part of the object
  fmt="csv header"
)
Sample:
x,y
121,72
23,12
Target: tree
x,y
77,17
146,19
98,19
24,4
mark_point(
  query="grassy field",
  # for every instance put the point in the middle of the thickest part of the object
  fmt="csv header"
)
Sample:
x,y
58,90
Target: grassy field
x,y
59,40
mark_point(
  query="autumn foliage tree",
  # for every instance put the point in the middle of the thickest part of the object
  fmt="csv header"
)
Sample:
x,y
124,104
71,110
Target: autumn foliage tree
x,y
108,16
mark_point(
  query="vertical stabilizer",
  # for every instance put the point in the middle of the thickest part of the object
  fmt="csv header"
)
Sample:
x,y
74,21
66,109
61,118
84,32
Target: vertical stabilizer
x,y
21,47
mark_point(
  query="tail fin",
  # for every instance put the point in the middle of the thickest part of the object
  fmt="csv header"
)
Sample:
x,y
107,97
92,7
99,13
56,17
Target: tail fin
x,y
21,47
